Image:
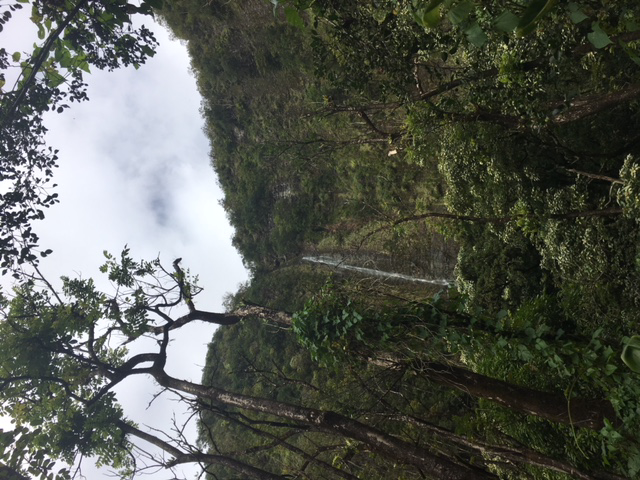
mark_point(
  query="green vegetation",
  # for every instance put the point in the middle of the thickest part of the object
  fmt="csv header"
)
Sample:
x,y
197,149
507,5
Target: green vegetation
x,y
503,131
76,36
503,135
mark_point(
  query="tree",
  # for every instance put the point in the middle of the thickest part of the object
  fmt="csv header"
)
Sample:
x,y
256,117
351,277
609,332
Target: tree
x,y
56,358
64,352
76,36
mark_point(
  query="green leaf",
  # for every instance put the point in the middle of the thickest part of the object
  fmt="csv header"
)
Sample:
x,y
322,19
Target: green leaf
x,y
380,15
524,353
66,60
293,17
632,55
58,53
632,25
106,17
631,354
16,56
36,17
148,50
427,18
597,333
460,12
54,78
598,37
41,32
26,73
576,14
475,35
532,15
506,22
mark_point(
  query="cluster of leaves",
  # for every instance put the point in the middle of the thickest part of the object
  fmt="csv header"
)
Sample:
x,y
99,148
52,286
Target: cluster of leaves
x,y
516,115
17,455
532,340
64,351
38,337
75,37
466,14
328,324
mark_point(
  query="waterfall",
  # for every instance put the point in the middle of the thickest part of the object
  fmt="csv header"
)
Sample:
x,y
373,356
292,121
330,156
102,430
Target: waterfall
x,y
334,262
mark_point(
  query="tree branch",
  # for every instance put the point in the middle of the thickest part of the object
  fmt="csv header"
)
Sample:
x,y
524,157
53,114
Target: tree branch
x,y
180,457
226,319
42,56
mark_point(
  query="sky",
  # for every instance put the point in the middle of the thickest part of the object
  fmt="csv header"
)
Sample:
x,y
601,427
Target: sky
x,y
135,169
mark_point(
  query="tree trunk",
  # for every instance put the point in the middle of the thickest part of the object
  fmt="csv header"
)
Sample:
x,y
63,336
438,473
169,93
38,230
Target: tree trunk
x,y
585,106
606,212
331,422
579,412
575,411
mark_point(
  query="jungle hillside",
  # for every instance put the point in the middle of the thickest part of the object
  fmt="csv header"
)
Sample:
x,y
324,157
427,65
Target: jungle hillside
x,y
494,144
439,205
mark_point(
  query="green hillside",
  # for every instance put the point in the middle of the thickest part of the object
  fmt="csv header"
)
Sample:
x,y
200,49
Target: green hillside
x,y
491,142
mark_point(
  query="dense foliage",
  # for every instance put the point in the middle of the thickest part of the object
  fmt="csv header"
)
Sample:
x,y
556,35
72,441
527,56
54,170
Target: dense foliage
x,y
374,130
397,133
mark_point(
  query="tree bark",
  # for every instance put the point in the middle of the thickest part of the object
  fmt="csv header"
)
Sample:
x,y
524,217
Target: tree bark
x,y
332,422
578,412
589,105
226,319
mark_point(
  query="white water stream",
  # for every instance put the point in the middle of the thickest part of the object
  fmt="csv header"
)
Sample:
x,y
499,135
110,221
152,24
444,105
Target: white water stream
x,y
334,262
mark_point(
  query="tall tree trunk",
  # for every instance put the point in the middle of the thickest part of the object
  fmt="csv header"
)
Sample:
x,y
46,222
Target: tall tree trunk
x,y
582,107
331,422
605,212
579,412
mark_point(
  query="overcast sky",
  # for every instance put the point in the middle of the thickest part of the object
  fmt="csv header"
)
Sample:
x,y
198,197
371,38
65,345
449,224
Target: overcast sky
x,y
135,169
